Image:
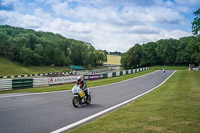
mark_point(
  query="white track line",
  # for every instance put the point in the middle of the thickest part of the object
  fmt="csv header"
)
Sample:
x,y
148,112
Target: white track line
x,y
28,94
105,111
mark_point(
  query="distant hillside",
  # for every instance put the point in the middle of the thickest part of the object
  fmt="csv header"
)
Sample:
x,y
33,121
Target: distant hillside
x,y
29,47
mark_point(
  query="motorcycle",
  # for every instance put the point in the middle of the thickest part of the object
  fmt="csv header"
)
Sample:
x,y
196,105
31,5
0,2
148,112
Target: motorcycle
x,y
163,70
80,97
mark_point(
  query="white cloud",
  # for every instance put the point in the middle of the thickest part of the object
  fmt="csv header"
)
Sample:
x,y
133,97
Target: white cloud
x,y
60,8
8,2
102,24
127,15
176,34
188,2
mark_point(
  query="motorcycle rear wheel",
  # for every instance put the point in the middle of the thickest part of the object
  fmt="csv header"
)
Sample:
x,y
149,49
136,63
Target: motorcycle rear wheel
x,y
75,102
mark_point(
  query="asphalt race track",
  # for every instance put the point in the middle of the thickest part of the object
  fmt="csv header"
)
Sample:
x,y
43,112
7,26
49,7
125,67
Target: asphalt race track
x,y
44,113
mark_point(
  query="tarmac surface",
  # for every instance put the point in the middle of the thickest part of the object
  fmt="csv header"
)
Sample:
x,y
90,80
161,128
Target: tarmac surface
x,y
47,112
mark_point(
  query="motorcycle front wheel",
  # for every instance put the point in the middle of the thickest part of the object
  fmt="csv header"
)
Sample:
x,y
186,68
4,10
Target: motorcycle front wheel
x,y
75,101
89,99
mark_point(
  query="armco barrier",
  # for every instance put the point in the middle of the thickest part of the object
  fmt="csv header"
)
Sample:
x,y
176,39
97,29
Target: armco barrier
x,y
114,74
5,84
105,75
40,82
126,72
9,84
119,73
22,83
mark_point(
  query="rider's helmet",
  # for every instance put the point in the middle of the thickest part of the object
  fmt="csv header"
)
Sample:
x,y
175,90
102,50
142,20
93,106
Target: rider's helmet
x,y
79,79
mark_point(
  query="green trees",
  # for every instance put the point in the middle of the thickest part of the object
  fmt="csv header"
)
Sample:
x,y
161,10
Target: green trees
x,y
194,47
132,58
44,48
26,55
196,23
100,57
38,54
166,50
194,50
183,54
184,51
149,57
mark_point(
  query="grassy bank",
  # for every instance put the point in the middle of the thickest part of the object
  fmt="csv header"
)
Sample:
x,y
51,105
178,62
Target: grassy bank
x,y
89,84
173,107
114,59
8,68
169,67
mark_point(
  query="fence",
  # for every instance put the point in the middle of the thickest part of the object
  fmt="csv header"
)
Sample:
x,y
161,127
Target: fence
x,y
22,83
12,84
58,73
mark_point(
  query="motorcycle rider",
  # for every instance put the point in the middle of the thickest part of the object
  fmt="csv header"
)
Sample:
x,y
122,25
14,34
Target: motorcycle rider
x,y
163,70
82,84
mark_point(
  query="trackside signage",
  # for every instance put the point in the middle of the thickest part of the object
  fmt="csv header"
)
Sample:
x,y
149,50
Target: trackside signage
x,y
93,77
61,80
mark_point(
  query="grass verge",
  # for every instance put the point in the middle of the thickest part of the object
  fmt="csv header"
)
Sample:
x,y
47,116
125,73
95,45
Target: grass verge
x,y
173,107
8,68
89,84
169,67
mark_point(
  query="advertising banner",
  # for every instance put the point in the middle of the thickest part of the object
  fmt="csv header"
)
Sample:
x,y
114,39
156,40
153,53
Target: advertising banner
x,y
93,76
61,80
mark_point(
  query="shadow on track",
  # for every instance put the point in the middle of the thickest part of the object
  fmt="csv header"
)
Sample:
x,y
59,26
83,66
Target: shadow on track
x,y
90,106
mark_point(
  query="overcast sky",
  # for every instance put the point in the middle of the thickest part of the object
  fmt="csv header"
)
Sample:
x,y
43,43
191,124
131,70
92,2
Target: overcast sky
x,y
107,24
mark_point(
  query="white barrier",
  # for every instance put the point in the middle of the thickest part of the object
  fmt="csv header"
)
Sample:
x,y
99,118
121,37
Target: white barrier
x,y
40,82
118,73
5,84
109,75
133,70
129,71
124,72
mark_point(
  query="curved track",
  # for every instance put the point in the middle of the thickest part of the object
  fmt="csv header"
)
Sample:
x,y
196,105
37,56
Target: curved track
x,y
50,111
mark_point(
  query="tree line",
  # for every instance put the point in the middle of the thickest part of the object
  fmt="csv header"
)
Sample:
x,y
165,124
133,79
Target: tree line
x,y
184,51
113,53
30,47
